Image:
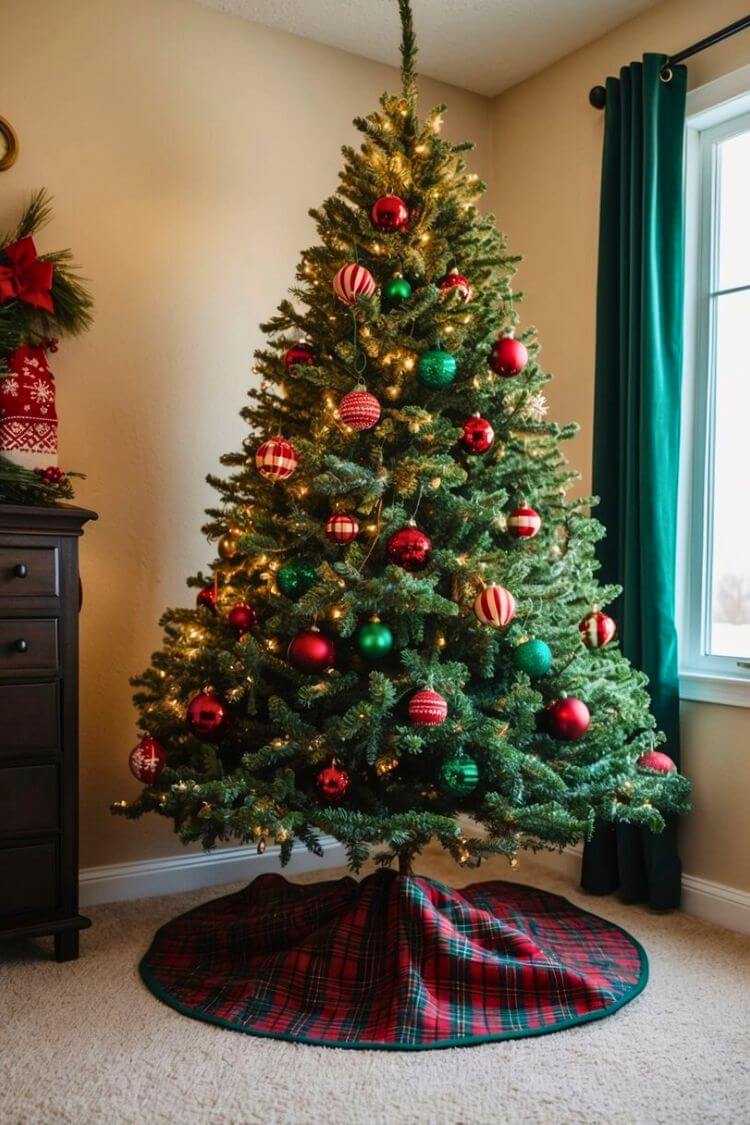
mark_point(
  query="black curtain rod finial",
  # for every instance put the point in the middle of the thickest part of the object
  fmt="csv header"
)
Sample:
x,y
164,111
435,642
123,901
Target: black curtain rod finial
x,y
598,97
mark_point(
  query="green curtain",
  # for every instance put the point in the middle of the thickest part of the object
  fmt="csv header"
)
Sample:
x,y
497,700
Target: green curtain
x,y
637,426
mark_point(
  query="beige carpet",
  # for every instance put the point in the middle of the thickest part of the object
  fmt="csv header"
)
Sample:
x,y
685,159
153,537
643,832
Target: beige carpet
x,y
85,1042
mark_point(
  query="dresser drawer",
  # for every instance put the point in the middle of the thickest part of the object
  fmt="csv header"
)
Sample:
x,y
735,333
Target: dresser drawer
x,y
29,719
28,645
29,572
29,800
29,879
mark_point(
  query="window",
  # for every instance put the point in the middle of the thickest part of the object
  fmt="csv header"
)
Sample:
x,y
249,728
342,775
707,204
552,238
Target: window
x,y
715,595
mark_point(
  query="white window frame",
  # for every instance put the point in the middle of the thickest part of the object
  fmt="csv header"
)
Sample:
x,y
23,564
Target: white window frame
x,y
715,112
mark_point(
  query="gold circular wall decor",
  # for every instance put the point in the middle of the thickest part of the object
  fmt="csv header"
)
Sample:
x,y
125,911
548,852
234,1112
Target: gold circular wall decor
x,y
8,134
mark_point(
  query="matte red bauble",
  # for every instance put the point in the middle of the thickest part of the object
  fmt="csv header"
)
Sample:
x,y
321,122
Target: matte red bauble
x,y
333,783
206,598
389,214
597,629
478,434
148,759
656,761
568,719
242,617
341,528
457,281
359,410
312,651
410,548
206,714
508,356
427,709
299,355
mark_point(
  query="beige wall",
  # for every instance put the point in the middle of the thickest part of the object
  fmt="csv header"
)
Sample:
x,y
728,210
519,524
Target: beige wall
x,y
184,149
545,189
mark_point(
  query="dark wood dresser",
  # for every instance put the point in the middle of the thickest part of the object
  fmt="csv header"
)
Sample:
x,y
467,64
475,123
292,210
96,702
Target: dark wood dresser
x,y
39,604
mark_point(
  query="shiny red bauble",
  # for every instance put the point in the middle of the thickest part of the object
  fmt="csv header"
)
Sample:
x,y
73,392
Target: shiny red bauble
x,y
410,548
427,709
299,355
656,761
389,214
206,598
524,522
457,281
242,617
478,435
341,528
359,410
333,783
206,714
312,651
147,760
508,357
567,719
597,629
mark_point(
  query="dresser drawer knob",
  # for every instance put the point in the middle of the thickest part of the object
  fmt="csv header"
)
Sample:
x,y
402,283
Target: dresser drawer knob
x,y
21,645
20,570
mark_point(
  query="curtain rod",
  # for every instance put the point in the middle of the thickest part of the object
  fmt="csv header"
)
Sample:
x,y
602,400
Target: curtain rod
x,y
598,94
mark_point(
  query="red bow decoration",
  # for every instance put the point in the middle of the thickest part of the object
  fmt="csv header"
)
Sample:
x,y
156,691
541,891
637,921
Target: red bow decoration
x,y
27,278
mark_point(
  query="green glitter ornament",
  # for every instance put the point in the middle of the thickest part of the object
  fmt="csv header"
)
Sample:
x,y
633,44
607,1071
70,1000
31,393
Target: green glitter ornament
x,y
436,369
296,578
374,640
458,775
396,291
533,657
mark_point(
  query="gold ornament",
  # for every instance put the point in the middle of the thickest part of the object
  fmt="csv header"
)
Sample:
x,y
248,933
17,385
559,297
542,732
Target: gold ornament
x,y
227,545
385,765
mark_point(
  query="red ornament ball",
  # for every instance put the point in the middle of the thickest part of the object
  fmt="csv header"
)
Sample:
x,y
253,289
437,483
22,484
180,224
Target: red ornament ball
x,y
508,357
147,760
656,761
427,709
299,355
206,714
360,410
478,435
524,522
352,282
242,617
495,606
568,719
597,630
410,548
206,599
389,214
333,783
312,651
276,459
341,528
457,281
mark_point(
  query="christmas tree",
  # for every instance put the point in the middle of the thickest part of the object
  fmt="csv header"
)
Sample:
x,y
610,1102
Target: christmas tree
x,y
403,628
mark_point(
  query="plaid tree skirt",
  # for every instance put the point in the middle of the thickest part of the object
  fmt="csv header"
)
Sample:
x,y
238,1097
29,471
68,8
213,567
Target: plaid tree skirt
x,y
393,962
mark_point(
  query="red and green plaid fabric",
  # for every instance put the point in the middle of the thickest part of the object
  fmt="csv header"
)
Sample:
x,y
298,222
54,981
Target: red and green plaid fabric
x,y
393,962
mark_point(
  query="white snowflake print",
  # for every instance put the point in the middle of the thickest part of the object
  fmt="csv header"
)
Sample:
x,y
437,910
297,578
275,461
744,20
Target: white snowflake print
x,y
9,386
40,392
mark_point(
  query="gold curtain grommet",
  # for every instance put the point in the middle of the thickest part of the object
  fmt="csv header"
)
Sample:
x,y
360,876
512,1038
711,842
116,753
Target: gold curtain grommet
x,y
8,133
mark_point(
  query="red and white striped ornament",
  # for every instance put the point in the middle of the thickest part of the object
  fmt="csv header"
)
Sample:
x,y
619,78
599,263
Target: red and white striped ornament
x,y
457,281
359,409
427,708
353,281
276,459
524,522
147,760
341,528
597,629
656,761
495,606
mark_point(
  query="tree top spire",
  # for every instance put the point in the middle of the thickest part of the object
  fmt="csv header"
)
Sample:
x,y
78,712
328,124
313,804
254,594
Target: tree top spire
x,y
408,51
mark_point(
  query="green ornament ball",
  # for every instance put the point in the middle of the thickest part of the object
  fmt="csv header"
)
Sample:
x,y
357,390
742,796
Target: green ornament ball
x,y
296,578
458,775
533,657
396,291
437,368
374,640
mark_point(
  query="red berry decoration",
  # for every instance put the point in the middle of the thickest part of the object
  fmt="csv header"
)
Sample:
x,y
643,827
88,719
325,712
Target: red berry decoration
x,y
299,355
524,522
656,761
410,548
389,214
206,714
206,599
312,651
597,629
359,410
52,475
147,760
427,709
341,528
352,282
478,434
457,281
333,783
276,459
568,719
508,357
495,606
242,617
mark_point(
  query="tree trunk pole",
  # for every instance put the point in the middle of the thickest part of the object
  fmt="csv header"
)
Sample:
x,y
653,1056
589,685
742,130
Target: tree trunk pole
x,y
404,863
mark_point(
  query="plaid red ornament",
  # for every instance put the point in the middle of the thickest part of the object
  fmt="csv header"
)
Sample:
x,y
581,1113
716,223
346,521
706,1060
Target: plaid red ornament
x,y
28,418
393,962
341,528
276,459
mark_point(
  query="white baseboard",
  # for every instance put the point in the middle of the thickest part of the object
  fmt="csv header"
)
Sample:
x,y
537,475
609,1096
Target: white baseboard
x,y
194,870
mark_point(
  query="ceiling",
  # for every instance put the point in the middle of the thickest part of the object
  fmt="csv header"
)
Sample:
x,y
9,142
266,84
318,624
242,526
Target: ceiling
x,y
481,45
